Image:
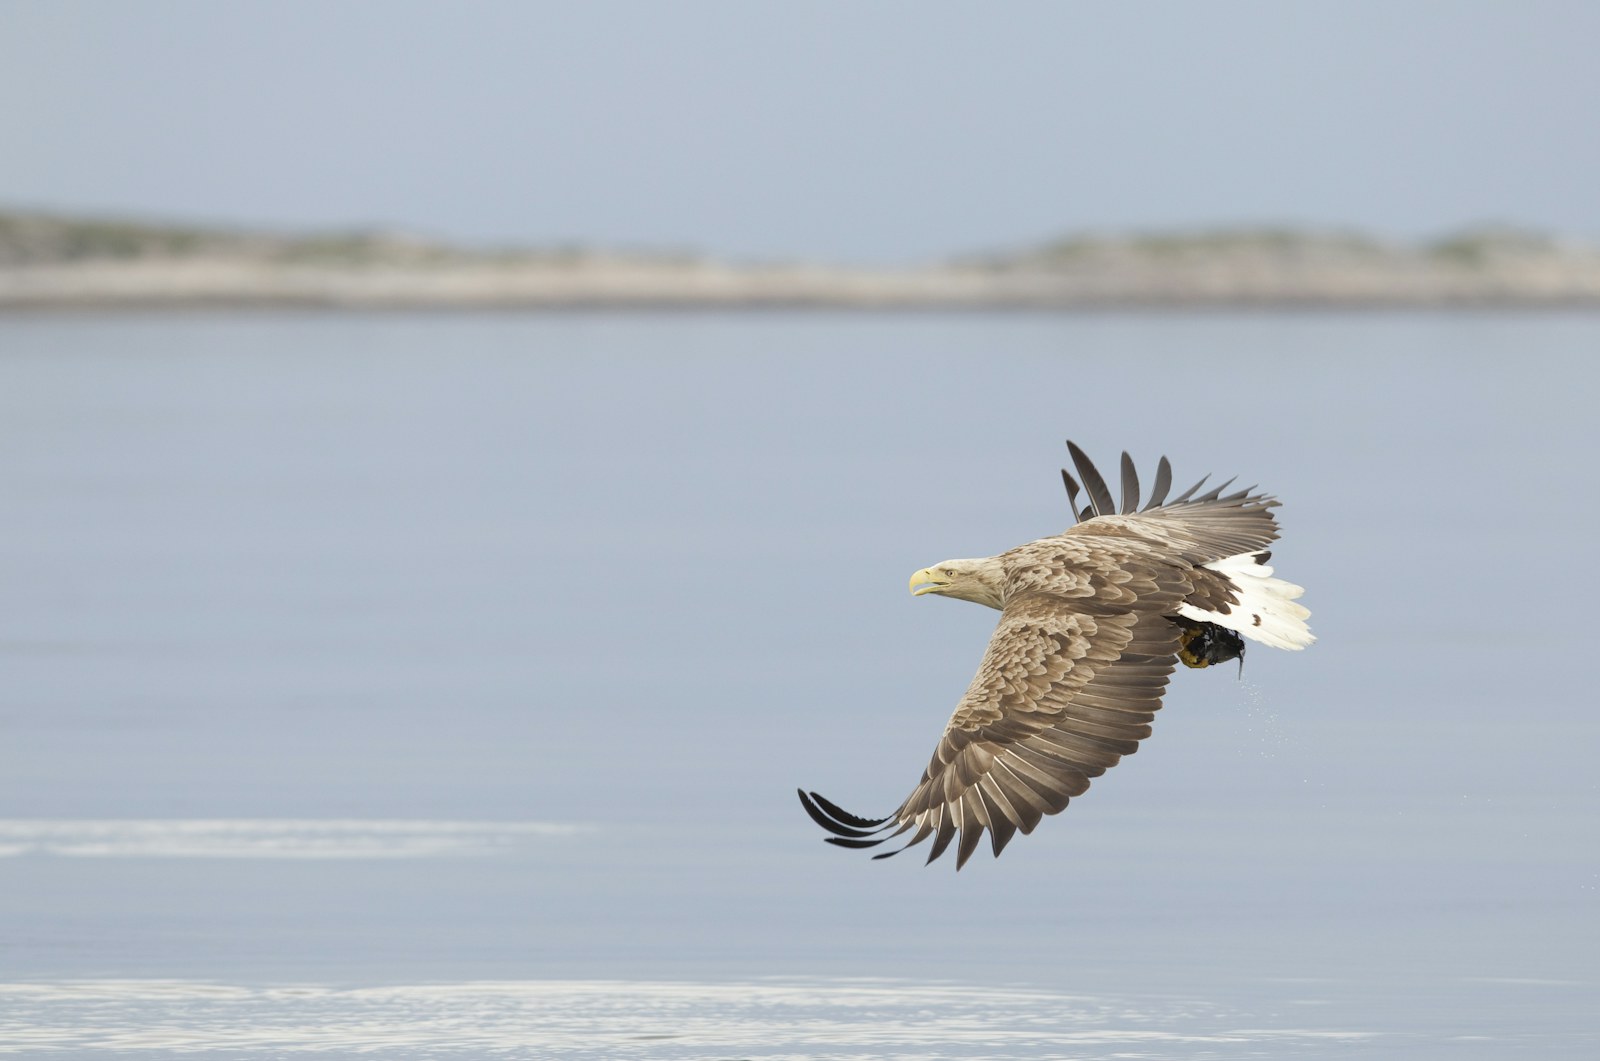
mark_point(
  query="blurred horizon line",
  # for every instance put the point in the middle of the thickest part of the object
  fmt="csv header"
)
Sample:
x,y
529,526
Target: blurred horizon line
x,y
57,261
134,220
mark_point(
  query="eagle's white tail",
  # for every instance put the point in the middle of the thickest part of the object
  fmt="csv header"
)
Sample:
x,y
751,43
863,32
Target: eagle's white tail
x,y
1266,611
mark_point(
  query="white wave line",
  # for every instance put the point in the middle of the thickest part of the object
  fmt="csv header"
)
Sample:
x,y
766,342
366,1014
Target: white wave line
x,y
606,1019
267,837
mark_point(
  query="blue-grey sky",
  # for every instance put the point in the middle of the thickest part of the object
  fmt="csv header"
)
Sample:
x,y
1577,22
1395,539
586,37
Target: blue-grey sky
x,y
852,131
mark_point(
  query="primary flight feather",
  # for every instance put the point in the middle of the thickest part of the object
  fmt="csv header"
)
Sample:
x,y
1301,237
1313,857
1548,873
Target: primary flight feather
x,y
1092,623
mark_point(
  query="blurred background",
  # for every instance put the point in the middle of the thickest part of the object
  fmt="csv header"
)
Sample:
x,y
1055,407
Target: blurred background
x,y
369,667
886,132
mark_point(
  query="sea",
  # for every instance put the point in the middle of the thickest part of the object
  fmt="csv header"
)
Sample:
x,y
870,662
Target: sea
x,y
438,685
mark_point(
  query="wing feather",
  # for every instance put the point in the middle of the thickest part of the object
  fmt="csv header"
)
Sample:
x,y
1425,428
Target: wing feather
x,y
1158,493
972,825
1196,528
1072,494
1003,817
944,830
1130,485
1181,498
1033,793
1099,493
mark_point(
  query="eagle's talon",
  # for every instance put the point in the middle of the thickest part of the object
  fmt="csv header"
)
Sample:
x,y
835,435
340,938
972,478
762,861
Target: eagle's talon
x,y
1203,644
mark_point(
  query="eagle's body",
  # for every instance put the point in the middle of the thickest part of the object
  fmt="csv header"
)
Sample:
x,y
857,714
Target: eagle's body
x,y
1092,623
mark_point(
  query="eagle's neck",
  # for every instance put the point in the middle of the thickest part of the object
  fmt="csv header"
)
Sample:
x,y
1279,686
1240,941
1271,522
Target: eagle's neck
x,y
984,583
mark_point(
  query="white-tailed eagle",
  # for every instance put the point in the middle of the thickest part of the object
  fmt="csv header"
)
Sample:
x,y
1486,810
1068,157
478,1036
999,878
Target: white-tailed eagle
x,y
1092,623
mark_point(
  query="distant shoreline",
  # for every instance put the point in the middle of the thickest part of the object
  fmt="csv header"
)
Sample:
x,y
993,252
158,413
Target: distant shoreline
x,y
234,285
50,263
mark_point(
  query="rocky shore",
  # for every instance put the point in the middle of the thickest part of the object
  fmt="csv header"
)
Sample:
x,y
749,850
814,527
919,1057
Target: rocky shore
x,y
64,263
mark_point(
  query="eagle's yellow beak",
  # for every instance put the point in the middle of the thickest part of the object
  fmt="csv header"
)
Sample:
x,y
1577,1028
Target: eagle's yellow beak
x,y
924,582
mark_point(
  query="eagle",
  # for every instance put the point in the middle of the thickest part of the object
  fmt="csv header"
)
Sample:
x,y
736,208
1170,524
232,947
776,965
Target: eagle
x,y
1092,623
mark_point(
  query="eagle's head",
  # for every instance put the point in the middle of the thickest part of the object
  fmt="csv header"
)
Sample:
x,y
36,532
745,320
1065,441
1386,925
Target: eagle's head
x,y
980,581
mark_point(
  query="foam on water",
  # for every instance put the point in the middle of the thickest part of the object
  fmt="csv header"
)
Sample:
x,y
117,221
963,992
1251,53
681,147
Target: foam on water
x,y
267,837
577,1019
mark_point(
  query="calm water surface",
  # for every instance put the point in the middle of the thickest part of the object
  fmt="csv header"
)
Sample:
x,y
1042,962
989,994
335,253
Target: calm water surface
x,y
438,685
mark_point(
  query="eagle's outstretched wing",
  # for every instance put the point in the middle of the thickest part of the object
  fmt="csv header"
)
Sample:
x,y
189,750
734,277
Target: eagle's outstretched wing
x,y
1195,528
1222,538
1067,687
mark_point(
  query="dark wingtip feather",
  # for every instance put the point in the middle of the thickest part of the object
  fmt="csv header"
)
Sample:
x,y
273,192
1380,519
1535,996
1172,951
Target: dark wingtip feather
x,y
1241,495
853,842
1158,493
840,814
1001,830
833,820
1189,492
945,833
1099,493
1072,494
822,819
970,838
1216,491
1130,485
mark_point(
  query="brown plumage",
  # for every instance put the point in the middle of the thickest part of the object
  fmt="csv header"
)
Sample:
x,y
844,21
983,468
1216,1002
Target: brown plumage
x,y
1091,623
